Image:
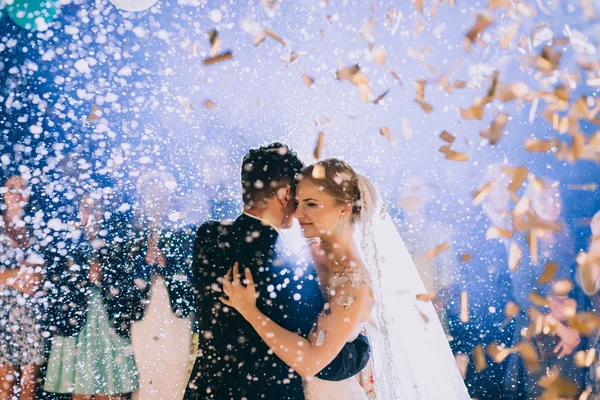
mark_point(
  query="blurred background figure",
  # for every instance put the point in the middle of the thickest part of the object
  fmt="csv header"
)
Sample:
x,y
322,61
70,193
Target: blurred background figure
x,y
21,273
160,252
89,358
588,278
540,252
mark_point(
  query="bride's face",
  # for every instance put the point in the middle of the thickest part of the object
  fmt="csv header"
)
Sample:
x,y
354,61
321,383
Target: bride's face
x,y
317,212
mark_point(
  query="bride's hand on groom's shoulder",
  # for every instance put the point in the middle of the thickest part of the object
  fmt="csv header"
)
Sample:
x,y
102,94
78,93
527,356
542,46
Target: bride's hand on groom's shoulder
x,y
241,295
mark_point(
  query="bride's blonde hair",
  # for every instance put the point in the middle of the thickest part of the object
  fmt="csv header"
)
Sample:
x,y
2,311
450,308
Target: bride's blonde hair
x,y
336,178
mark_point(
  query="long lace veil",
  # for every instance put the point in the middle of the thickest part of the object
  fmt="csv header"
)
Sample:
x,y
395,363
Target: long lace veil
x,y
411,356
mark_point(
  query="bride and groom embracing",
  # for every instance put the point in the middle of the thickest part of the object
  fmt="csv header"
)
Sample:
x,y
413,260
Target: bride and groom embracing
x,y
282,326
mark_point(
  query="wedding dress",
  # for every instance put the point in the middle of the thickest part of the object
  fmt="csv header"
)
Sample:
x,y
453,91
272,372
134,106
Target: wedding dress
x,y
411,356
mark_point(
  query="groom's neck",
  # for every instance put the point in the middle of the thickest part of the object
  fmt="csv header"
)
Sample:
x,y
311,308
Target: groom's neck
x,y
266,215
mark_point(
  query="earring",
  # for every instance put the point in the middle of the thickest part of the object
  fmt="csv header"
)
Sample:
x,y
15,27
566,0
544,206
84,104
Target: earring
x,y
339,226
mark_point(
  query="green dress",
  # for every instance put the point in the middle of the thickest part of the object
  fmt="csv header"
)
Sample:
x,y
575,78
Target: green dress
x,y
96,361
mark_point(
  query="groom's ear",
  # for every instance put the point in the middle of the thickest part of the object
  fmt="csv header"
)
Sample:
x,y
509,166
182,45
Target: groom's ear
x,y
284,196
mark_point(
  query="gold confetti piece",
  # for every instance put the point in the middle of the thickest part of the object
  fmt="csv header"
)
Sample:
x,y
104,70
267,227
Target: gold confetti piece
x,y
562,287
384,131
456,156
536,298
275,36
353,75
538,146
366,32
318,171
94,114
512,309
548,60
425,297
494,132
395,74
221,57
434,252
420,96
483,21
321,121
475,111
464,307
509,35
379,56
585,322
548,274
479,358
423,315
418,5
465,257
494,232
480,194
209,104
529,356
557,387
380,97
518,177
533,246
514,256
498,4
308,81
588,9
215,43
497,352
585,359
447,137
425,106
406,130
319,147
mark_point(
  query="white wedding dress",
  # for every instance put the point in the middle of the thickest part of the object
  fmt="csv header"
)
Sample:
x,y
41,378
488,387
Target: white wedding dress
x,y
348,389
410,353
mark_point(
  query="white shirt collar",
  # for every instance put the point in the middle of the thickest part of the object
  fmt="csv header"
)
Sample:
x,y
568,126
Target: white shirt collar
x,y
261,220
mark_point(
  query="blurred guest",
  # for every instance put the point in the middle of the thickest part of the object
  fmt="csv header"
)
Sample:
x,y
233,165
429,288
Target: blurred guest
x,y
21,268
588,277
160,257
540,238
89,358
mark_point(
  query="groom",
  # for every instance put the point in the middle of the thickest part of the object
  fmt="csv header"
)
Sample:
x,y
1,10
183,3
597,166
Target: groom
x,y
233,362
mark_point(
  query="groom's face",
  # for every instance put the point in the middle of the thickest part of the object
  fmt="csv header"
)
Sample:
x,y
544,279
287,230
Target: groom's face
x,y
289,207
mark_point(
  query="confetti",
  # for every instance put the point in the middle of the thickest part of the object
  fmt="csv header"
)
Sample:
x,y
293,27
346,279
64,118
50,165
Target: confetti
x,y
319,146
585,359
562,287
384,131
426,297
420,96
483,21
514,256
380,97
548,274
494,232
497,352
494,132
221,57
379,55
355,76
190,46
536,298
321,121
215,43
529,356
318,171
436,251
479,358
209,104
307,80
366,32
464,307
275,36
94,114
465,257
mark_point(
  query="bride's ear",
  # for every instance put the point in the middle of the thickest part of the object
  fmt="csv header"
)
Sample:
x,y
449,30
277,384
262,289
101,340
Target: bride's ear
x,y
347,210
284,196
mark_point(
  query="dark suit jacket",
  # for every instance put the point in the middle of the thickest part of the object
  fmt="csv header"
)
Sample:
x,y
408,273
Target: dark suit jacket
x,y
233,361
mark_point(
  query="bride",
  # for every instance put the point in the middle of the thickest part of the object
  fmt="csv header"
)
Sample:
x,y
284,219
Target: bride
x,y
370,282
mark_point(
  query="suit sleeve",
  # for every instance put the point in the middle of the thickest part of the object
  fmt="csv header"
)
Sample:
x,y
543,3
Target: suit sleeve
x,y
352,359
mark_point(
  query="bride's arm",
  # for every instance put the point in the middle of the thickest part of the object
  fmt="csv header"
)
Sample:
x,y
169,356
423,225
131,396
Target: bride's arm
x,y
334,327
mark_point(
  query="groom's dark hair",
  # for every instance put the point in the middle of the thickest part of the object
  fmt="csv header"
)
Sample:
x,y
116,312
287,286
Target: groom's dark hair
x,y
267,169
